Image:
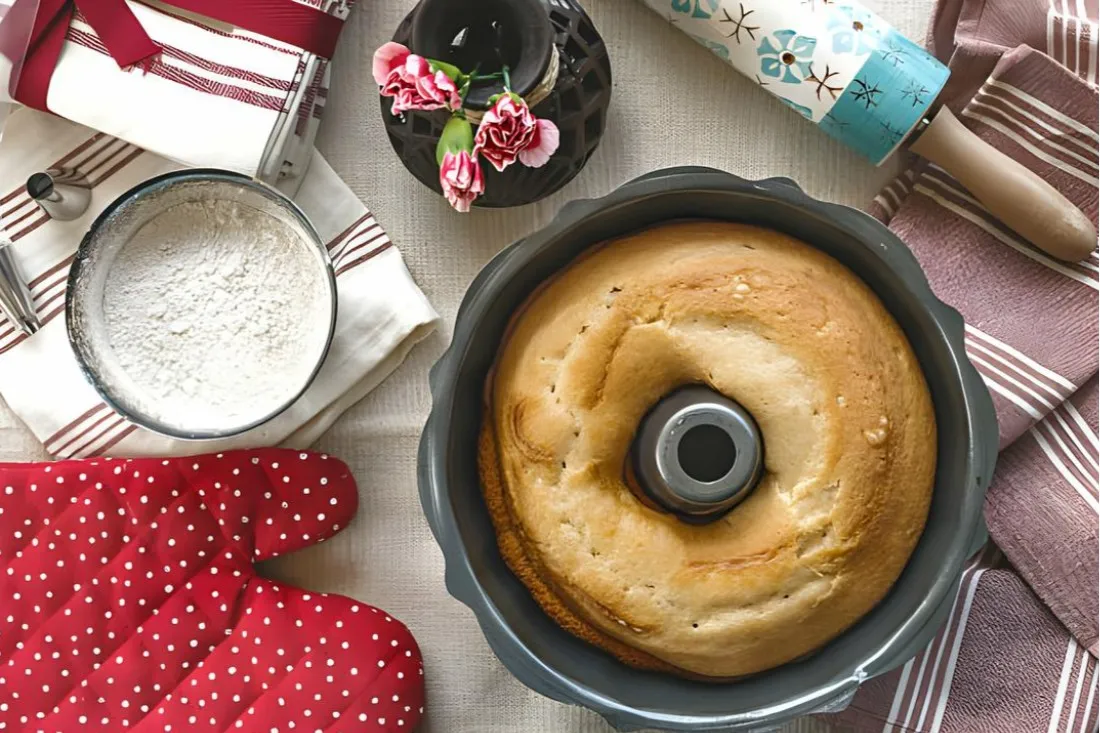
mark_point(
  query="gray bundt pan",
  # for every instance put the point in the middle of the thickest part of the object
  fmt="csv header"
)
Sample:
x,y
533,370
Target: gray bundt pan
x,y
558,665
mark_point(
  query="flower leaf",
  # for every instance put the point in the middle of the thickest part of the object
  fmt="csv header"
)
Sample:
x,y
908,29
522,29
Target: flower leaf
x,y
450,70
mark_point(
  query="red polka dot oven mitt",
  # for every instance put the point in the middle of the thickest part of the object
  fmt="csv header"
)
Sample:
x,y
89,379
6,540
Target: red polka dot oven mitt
x,y
129,601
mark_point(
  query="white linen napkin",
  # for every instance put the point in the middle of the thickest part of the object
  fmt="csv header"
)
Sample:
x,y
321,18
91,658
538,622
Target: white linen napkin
x,y
216,96
381,311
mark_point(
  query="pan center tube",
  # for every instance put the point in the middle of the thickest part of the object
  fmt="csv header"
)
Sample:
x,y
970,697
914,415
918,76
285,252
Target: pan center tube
x,y
697,454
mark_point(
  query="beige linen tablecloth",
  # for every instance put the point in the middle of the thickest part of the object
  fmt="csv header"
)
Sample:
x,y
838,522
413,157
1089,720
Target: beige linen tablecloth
x,y
673,104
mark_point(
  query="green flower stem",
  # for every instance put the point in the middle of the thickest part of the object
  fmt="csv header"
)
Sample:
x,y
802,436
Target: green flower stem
x,y
464,80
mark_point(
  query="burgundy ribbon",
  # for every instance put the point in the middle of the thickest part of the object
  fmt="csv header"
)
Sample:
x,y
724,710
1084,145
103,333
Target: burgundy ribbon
x,y
299,25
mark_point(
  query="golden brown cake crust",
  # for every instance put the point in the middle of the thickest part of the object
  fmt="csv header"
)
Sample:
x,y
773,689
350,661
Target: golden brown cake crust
x,y
847,423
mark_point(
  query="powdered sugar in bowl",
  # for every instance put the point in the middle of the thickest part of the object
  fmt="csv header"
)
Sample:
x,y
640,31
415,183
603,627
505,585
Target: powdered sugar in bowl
x,y
201,304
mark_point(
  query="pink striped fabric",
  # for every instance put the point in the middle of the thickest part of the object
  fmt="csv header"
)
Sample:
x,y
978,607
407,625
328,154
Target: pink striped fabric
x,y
1018,652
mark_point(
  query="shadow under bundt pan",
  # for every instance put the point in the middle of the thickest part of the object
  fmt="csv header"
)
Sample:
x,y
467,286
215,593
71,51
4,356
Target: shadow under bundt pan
x,y
550,660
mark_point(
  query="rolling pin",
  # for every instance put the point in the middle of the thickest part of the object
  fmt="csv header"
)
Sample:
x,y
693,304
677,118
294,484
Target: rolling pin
x,y
844,68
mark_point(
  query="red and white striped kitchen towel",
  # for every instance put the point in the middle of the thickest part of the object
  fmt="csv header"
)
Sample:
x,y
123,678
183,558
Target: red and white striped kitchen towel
x,y
215,96
1018,653
381,311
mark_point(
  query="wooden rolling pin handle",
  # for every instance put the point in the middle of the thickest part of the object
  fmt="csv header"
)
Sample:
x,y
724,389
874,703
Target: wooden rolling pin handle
x,y
1024,202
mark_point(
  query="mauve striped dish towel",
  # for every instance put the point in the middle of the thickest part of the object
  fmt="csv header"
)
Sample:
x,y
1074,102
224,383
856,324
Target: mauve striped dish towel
x,y
381,312
215,96
1018,653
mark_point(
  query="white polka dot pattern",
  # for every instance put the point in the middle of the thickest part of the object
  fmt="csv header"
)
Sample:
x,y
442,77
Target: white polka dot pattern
x,y
129,602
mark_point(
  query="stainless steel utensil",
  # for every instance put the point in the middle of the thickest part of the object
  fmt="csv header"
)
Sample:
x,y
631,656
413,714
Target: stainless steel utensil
x,y
15,296
63,194
16,24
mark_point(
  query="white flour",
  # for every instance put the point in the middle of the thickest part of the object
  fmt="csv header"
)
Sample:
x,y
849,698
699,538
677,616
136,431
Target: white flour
x,y
216,314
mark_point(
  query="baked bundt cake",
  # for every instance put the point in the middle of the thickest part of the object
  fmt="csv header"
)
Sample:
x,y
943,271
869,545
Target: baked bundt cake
x,y
791,335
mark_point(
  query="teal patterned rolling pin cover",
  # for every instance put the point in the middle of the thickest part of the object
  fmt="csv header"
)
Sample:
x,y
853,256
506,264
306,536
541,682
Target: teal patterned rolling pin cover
x,y
834,62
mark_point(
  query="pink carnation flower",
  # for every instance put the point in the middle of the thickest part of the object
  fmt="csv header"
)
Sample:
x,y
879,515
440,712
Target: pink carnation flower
x,y
461,178
509,131
410,81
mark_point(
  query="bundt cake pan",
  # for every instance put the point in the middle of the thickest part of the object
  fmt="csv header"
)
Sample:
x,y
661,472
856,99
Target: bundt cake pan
x,y
554,663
